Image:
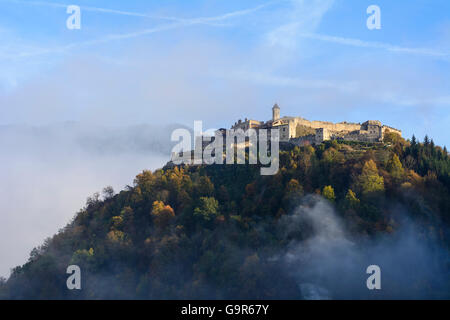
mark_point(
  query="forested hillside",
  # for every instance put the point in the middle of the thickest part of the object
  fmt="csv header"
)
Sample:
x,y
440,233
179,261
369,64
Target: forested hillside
x,y
225,231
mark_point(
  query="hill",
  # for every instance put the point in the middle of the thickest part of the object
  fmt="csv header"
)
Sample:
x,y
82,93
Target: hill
x,y
225,231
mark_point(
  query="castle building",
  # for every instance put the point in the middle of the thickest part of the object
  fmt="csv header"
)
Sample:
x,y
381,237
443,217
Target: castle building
x,y
275,112
299,131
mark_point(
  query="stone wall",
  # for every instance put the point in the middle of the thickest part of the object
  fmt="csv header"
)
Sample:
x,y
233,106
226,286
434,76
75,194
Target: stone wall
x,y
342,126
295,129
304,141
387,129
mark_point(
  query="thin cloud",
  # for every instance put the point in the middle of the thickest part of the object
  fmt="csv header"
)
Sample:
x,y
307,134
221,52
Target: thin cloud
x,y
408,102
350,88
205,20
283,81
302,16
114,37
377,45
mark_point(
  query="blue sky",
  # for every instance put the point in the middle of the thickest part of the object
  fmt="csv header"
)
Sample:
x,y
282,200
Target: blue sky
x,y
180,61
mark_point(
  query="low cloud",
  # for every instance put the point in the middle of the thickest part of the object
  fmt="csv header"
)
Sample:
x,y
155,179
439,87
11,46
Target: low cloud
x,y
47,173
329,263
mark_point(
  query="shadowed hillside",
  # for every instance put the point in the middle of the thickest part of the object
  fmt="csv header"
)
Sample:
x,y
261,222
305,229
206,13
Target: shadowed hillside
x,y
225,231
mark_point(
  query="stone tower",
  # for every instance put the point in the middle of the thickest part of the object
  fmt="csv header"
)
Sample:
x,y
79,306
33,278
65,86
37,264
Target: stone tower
x,y
275,112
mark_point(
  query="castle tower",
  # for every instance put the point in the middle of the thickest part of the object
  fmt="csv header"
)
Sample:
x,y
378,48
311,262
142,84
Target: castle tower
x,y
275,112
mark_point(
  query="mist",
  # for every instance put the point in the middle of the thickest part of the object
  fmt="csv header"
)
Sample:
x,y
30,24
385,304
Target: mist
x,y
329,263
47,172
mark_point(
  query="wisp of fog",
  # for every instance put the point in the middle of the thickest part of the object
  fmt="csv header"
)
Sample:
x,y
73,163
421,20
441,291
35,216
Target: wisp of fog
x,y
47,172
329,263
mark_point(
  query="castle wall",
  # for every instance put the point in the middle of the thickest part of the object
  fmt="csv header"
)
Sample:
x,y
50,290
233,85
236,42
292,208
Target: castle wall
x,y
343,126
303,141
247,124
369,131
285,132
386,129
322,135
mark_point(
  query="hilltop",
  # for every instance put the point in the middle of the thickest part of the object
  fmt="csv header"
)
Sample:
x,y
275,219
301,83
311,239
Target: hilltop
x,y
225,231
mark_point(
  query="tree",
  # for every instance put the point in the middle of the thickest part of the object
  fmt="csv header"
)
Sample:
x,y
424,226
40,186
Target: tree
x,y
351,201
250,190
117,222
294,188
82,256
413,141
332,155
370,182
116,236
145,181
93,200
328,193
127,215
162,214
205,187
108,192
208,208
426,141
392,137
395,168
223,194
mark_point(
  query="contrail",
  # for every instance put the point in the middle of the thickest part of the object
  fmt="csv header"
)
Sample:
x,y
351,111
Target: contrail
x,y
112,37
377,45
205,20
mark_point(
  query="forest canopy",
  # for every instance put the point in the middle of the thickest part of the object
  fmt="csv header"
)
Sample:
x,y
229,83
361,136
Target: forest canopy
x,y
218,231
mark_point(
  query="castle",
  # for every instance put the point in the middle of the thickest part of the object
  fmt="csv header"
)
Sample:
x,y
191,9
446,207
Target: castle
x,y
299,131
292,130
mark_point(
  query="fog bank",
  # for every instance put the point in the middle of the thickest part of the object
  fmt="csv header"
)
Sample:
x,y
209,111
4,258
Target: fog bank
x,y
46,174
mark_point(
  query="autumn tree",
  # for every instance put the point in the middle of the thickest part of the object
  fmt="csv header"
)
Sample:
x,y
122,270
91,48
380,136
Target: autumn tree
x,y
82,256
370,182
117,222
116,237
328,193
162,215
392,138
294,188
395,168
145,180
351,201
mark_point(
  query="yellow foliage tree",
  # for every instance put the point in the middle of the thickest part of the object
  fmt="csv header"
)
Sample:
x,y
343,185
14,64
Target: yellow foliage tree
x,y
162,214
395,168
328,193
351,201
370,181
116,236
